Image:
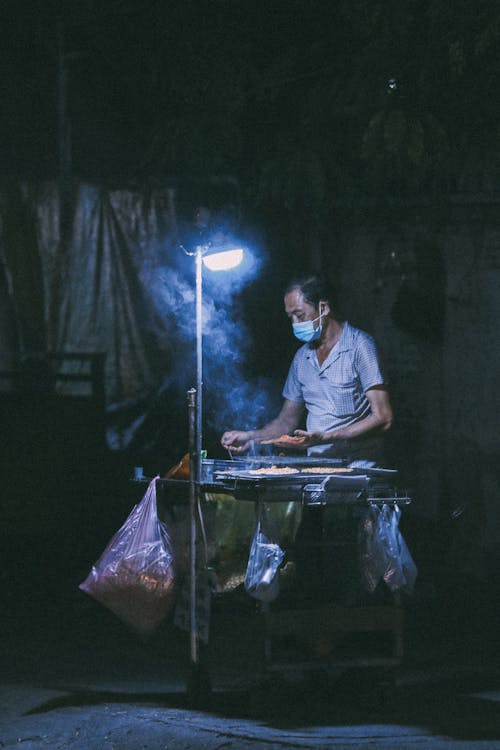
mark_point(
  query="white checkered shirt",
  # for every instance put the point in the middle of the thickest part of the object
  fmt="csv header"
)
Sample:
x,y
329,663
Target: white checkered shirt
x,y
334,393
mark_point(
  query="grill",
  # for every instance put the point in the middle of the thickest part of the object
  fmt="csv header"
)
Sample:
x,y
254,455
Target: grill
x,y
313,481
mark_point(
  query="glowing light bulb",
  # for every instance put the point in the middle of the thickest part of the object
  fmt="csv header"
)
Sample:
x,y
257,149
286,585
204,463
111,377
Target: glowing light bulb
x,y
224,260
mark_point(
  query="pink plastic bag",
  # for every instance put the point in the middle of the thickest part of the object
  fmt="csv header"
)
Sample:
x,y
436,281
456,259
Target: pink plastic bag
x,y
134,577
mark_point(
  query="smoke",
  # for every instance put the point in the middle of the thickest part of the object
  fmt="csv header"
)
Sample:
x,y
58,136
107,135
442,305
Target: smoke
x,y
231,398
245,405
174,298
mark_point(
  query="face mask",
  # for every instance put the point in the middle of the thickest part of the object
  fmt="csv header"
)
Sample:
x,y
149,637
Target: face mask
x,y
306,331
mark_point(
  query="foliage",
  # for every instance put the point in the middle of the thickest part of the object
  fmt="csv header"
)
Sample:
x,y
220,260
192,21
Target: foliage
x,y
401,148
292,97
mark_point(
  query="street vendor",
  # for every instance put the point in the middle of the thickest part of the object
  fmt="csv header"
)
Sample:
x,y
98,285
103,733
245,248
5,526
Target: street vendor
x,y
335,381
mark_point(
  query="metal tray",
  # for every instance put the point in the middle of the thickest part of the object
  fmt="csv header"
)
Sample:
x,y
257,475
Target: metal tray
x,y
293,477
256,461
321,473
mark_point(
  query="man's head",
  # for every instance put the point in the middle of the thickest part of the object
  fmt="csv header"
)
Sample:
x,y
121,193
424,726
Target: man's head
x,y
308,300
313,290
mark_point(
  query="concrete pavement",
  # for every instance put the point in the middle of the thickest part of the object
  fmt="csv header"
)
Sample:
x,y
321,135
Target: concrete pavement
x,y
73,678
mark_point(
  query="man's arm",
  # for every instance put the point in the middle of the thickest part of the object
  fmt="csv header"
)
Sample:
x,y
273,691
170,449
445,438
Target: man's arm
x,y
380,419
285,423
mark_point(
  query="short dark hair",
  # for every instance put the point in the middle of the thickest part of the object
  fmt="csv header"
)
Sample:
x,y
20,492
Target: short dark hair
x,y
314,289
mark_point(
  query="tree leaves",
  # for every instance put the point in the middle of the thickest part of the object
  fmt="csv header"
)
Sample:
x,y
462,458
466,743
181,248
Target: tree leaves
x,y
402,149
288,98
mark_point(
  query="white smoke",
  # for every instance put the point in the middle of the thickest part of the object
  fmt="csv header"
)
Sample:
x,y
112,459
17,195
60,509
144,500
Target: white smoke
x,y
236,400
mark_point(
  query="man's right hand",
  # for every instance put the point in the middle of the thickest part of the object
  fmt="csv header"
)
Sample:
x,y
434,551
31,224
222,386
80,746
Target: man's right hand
x,y
236,441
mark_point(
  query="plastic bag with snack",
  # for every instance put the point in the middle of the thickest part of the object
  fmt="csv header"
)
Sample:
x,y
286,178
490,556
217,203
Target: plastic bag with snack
x,y
135,576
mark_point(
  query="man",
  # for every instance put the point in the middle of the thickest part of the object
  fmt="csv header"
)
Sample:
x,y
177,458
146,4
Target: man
x,y
335,378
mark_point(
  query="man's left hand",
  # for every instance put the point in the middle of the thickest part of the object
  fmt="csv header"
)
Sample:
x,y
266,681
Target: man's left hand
x,y
310,438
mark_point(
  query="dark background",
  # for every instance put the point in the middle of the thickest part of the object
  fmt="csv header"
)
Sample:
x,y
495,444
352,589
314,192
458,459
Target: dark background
x,y
356,138
288,97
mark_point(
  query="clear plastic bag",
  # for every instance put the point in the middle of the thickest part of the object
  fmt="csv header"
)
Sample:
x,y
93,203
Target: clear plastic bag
x,y
373,560
262,577
383,553
134,577
401,571
407,563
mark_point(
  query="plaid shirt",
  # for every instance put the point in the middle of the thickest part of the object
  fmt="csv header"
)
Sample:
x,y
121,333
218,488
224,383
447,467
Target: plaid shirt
x,y
334,393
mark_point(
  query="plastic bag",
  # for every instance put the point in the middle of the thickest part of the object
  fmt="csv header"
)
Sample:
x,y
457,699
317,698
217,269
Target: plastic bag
x,y
401,571
134,577
407,563
372,555
383,553
261,578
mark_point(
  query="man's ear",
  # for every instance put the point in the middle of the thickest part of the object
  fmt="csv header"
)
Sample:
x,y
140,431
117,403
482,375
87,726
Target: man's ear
x,y
324,307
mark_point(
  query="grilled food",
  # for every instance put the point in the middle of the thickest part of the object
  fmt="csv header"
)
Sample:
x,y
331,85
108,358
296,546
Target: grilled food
x,y
285,440
273,470
323,470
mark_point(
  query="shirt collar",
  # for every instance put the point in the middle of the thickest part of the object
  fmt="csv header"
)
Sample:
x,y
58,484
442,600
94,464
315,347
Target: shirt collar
x,y
344,344
346,340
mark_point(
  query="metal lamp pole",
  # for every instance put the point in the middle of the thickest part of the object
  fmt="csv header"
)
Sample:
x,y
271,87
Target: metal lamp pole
x,y
195,444
199,360
196,441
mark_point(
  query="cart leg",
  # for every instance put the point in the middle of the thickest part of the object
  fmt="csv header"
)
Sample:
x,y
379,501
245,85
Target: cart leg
x,y
199,688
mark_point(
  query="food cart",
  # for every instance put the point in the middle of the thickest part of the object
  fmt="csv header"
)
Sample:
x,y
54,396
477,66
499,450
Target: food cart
x,y
311,624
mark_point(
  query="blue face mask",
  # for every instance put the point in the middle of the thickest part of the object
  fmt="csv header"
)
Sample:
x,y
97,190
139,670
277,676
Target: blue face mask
x,y
306,331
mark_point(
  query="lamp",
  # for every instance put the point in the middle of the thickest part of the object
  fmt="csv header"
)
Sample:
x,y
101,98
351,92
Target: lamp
x,y
223,260
220,258
215,258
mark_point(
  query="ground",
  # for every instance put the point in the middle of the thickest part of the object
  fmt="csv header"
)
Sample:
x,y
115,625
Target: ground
x,y
74,677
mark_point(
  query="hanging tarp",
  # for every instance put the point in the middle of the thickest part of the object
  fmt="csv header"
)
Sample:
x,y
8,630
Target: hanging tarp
x,y
76,262
78,266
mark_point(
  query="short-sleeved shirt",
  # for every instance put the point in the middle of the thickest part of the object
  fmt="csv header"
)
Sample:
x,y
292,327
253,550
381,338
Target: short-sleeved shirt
x,y
334,393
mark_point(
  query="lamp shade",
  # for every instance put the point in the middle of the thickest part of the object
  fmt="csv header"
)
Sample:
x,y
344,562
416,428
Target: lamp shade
x,y
223,260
